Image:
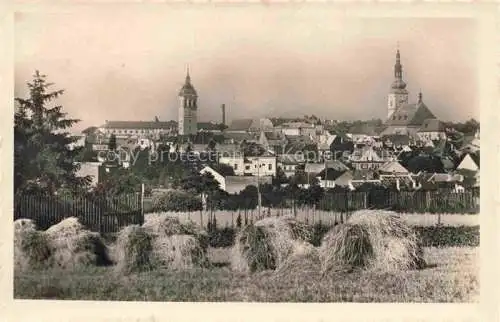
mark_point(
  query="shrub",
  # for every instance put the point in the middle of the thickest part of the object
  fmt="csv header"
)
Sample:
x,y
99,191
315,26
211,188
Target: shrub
x,y
176,200
223,237
447,236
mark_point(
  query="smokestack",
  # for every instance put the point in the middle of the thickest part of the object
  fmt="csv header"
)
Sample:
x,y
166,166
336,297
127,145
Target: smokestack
x,y
223,107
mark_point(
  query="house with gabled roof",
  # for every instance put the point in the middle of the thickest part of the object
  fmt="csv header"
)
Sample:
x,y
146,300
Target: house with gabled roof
x,y
432,129
273,141
469,162
289,163
235,184
330,178
250,125
368,158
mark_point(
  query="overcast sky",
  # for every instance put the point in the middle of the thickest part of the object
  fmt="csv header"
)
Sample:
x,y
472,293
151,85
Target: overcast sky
x,y
259,62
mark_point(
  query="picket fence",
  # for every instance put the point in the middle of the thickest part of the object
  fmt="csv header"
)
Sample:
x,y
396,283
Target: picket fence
x,y
99,214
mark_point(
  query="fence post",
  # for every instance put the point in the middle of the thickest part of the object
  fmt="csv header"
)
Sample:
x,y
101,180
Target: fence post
x,y
142,204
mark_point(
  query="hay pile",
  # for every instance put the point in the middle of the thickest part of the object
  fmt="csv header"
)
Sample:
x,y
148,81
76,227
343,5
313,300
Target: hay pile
x,y
371,240
268,243
133,250
303,263
31,247
74,246
162,241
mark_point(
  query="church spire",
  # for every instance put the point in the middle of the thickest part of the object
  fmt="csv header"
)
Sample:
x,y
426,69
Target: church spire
x,y
188,78
398,68
398,73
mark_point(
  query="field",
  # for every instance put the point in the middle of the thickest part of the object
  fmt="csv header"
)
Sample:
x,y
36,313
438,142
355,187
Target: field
x,y
452,276
228,218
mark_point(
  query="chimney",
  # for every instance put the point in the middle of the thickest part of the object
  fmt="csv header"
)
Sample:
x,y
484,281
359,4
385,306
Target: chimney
x,y
223,107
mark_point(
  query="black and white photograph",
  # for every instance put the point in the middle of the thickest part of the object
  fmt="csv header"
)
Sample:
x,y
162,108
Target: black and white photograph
x,y
261,154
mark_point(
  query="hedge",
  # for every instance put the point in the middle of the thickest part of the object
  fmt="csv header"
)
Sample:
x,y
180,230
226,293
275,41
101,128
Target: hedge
x,y
432,236
448,236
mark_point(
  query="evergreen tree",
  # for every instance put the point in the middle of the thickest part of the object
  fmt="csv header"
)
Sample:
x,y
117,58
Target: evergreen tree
x,y
42,158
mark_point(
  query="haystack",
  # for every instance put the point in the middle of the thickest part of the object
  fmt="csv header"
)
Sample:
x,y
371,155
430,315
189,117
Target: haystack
x,y
303,263
177,245
31,247
165,225
134,250
73,246
179,252
267,244
377,240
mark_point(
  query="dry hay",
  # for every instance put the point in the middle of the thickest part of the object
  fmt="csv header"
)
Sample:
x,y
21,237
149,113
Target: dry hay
x,y
165,225
73,246
177,245
134,250
303,263
267,244
31,247
179,252
372,240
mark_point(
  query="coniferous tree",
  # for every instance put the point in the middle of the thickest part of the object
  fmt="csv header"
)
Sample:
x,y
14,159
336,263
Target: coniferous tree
x,y
43,159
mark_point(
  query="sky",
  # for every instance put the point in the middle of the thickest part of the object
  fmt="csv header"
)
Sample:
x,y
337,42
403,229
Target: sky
x,y
130,65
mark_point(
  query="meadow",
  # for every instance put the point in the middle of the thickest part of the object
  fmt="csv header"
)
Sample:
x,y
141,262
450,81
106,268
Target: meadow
x,y
452,276
180,271
228,218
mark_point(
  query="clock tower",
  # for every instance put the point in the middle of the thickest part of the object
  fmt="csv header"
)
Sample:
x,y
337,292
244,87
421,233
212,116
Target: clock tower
x,y
188,108
398,95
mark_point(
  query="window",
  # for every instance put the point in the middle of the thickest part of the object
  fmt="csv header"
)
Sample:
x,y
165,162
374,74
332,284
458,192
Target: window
x,y
235,166
399,117
394,118
270,166
247,167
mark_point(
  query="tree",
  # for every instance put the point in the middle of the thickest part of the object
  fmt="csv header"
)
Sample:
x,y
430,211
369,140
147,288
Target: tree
x,y
112,143
42,157
204,184
280,177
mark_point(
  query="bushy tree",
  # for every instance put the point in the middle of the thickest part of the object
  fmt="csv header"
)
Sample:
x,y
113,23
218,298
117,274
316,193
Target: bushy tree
x,y
43,159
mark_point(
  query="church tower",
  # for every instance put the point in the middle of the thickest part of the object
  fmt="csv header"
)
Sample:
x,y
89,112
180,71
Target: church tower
x,y
398,95
188,106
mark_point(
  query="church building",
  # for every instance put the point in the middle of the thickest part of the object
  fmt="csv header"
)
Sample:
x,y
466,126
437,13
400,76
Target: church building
x,y
402,117
188,106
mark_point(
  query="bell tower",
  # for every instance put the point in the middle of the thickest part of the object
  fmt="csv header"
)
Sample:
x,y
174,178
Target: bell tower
x,y
188,108
398,95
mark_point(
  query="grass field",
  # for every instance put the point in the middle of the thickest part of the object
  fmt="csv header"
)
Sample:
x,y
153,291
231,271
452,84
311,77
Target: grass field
x,y
226,218
452,276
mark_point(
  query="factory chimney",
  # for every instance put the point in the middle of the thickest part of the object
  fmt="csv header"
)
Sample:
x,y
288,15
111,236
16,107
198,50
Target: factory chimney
x,y
223,107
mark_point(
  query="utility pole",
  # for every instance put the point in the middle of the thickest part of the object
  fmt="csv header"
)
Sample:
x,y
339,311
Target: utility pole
x,y
259,199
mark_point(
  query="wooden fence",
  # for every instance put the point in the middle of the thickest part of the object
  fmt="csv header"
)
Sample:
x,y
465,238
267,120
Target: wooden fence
x,y
99,214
